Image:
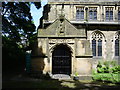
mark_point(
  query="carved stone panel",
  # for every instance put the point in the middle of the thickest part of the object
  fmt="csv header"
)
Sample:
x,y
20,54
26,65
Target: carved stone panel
x,y
61,41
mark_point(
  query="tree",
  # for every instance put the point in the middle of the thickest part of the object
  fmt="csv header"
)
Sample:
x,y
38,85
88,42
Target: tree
x,y
17,29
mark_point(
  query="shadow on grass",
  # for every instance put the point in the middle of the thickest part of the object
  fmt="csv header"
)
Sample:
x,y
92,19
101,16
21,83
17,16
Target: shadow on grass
x,y
91,85
20,81
56,84
48,83
38,84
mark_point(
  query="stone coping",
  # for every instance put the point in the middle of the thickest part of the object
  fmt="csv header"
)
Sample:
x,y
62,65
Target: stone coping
x,y
91,22
83,1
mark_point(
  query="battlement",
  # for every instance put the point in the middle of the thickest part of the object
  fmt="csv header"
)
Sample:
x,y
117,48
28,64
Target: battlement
x,y
83,1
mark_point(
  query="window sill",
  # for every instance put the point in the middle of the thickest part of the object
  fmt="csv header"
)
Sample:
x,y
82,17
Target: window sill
x,y
95,22
97,57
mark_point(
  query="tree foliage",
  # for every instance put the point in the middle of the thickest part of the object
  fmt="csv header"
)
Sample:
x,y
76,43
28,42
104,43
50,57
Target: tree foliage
x,y
17,29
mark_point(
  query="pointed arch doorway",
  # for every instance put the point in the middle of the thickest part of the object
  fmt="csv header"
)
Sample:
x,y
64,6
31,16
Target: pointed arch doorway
x,y
61,60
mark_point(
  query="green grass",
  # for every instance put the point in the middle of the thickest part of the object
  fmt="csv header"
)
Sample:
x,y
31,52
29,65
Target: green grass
x,y
114,78
32,84
23,81
60,84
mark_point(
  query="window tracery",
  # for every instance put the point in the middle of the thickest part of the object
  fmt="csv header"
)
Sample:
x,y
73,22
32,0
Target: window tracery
x,y
97,40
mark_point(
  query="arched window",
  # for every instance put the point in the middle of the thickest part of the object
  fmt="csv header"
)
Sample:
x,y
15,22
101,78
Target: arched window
x,y
117,43
97,38
116,47
94,47
99,47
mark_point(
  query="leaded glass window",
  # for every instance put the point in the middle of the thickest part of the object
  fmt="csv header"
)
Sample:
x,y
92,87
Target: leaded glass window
x,y
80,13
94,47
117,43
109,14
99,47
119,14
97,41
92,13
116,47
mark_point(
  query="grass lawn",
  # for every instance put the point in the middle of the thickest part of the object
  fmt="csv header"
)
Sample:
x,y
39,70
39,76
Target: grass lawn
x,y
15,82
59,84
32,84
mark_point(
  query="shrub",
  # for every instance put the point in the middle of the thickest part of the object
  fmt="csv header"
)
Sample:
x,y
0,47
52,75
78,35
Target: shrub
x,y
107,71
116,69
108,66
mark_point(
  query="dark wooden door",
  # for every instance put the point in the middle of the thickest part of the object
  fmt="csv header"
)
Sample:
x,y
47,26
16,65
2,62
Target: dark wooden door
x,y
61,60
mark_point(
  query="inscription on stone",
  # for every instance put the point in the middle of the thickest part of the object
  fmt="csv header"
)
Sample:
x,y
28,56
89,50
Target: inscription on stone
x,y
53,41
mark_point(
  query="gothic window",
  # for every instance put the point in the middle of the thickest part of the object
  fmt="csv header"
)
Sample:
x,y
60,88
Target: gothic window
x,y
116,47
94,47
80,13
92,13
119,14
97,38
99,47
117,44
109,14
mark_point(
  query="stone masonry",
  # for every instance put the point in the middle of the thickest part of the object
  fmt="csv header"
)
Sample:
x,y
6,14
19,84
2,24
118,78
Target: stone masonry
x,y
59,27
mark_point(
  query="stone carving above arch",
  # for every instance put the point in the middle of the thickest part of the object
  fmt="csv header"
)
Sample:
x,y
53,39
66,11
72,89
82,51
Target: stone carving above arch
x,y
52,46
54,41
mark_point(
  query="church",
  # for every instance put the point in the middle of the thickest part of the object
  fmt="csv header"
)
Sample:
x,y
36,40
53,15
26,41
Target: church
x,y
75,34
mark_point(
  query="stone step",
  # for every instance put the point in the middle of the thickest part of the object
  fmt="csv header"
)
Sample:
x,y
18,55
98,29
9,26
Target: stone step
x,y
61,76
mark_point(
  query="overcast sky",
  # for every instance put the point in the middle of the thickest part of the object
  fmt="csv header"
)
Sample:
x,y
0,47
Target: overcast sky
x,y
37,13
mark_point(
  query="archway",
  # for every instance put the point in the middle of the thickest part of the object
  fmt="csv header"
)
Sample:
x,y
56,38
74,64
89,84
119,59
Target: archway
x,y
61,60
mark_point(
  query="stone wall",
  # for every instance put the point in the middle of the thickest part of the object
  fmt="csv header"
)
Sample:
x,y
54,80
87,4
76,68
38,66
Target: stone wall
x,y
83,1
108,45
70,10
80,58
76,35
84,66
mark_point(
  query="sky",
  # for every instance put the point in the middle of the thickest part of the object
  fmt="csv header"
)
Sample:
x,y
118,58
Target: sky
x,y
37,13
